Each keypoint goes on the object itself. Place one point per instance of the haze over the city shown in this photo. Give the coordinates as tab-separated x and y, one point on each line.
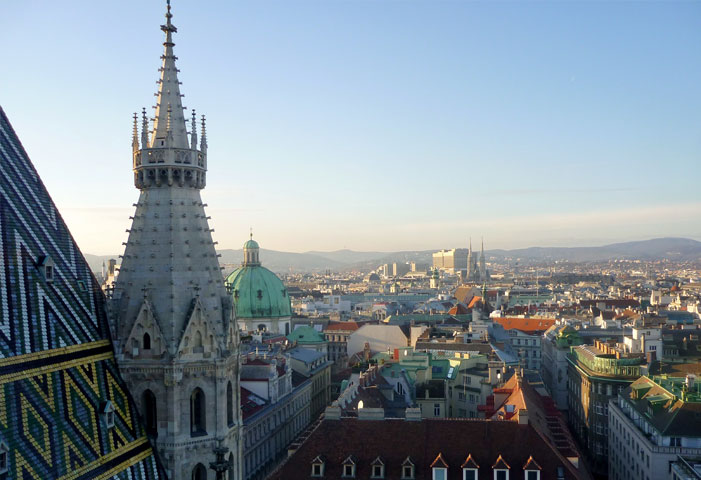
376	125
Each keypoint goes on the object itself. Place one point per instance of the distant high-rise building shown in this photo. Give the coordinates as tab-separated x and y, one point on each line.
175	334
451	260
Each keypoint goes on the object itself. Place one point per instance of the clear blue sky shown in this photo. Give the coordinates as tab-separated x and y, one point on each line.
375	125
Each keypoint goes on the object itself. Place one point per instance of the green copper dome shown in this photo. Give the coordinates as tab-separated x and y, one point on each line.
251	244
258	293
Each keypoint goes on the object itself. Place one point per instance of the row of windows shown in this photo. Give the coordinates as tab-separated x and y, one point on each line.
408	471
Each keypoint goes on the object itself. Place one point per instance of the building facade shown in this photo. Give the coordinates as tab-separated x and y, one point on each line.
172	321
275	410
555	346
651	423
596	374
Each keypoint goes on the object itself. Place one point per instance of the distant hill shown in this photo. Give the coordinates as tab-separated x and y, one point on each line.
658	248
341	260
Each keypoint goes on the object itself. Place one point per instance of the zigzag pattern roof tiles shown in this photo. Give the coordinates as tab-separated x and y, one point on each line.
57	368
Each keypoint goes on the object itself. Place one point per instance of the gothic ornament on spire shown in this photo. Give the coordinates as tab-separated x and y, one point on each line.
169	154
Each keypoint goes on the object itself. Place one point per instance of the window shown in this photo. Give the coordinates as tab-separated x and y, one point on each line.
3	457
199	472
469	474
436	409
349	467
107	411
675	442
407	469
229	405
440	473
501	475
378	468
46	268
148	400
532	474
147	341
198	423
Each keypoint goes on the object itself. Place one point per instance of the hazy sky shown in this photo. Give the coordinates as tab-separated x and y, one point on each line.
375	125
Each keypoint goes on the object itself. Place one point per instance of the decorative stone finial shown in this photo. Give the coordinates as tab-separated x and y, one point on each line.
204	135
193	131
144	129
135	135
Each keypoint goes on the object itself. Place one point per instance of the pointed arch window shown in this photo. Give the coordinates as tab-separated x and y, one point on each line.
150	413
229	404
147	341
199	472
198	423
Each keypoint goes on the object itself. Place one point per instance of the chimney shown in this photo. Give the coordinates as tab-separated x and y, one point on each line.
413	414
523	416
690	381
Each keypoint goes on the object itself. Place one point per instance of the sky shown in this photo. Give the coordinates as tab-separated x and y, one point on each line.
375	125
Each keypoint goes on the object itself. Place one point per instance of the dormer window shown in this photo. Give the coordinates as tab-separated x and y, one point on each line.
107	411
439	468
4	453
470	469
349	467
318	467
531	469
408	469
378	468
501	469
47	269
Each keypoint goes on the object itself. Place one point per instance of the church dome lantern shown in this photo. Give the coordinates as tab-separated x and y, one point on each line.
259	296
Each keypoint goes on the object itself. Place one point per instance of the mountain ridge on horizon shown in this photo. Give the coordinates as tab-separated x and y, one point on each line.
676	248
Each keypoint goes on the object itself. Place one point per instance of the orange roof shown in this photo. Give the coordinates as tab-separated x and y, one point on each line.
458	309
525	324
342	326
474	301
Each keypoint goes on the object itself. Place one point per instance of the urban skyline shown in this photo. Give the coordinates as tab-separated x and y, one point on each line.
560	122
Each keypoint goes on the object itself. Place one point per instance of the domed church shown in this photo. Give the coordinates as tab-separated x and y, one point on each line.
260	298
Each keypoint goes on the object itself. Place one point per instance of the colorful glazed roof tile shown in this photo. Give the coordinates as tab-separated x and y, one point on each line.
64	410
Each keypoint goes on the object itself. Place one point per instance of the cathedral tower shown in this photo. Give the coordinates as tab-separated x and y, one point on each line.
483	266
172	321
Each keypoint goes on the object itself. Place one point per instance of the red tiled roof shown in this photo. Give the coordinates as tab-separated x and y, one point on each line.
394	440
342	326
458	309
527	325
475	300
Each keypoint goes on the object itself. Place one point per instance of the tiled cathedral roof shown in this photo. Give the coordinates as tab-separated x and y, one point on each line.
57	368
